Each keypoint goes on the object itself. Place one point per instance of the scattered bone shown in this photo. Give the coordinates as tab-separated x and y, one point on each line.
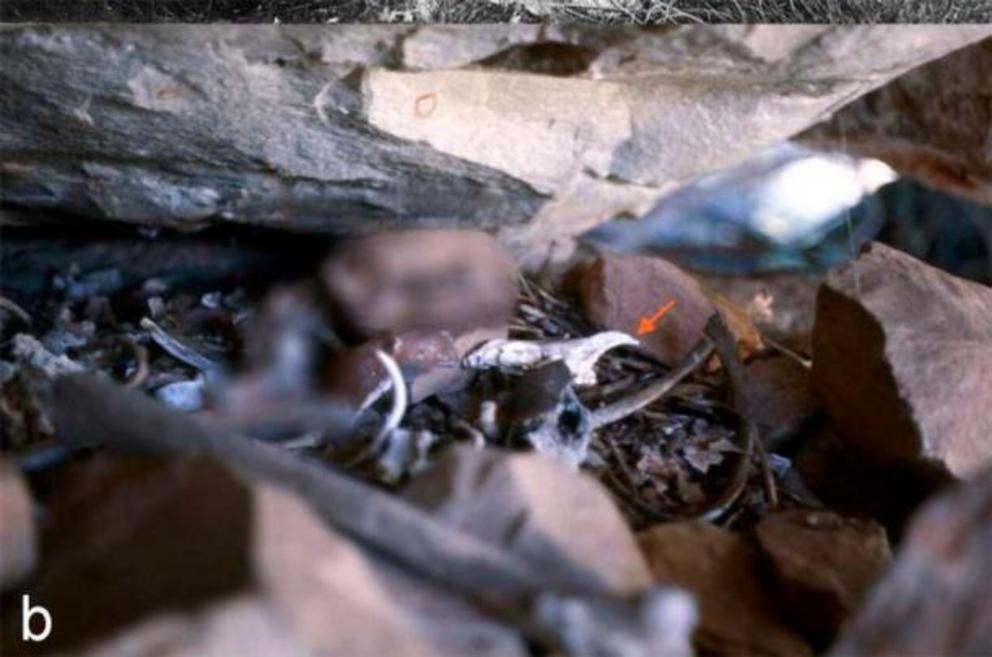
405	453
579	355
544	411
29	351
668	615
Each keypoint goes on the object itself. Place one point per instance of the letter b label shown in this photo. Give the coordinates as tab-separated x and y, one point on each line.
29	612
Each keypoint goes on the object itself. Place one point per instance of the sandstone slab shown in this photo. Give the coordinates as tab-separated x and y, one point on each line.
824	565
903	361
739	614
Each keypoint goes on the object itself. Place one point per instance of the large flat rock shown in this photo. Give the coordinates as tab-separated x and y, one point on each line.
353	128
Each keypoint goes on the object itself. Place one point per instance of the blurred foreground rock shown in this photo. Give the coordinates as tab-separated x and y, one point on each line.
935	600
739	611
823	565
903	361
341	600
350	129
532	506
127	538
421	280
18	533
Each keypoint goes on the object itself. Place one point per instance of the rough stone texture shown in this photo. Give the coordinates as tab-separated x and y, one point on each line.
18	534
617	291
721	568
933	123
935	599
824	564
427	280
321	128
557	519
903	361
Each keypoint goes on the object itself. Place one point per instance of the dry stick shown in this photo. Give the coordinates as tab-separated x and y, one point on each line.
90	411
726	348
785	351
141	358
177	349
647	396
718	338
14	309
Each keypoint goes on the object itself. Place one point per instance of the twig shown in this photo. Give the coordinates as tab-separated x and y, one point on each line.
785	351
13	308
651	393
767	476
177	349
726	347
141	358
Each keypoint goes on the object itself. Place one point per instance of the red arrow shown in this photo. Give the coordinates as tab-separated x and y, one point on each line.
649	324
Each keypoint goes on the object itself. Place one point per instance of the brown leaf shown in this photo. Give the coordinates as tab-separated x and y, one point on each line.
740	325
903	360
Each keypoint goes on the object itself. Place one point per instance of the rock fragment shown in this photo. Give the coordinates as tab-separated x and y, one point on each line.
660	304
823	563
852	482
935	599
130	537
738	614
559	520
779	398
618	291
903	361
340	599
432	280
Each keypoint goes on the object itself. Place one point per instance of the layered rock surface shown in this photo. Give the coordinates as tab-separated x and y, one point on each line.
354	128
